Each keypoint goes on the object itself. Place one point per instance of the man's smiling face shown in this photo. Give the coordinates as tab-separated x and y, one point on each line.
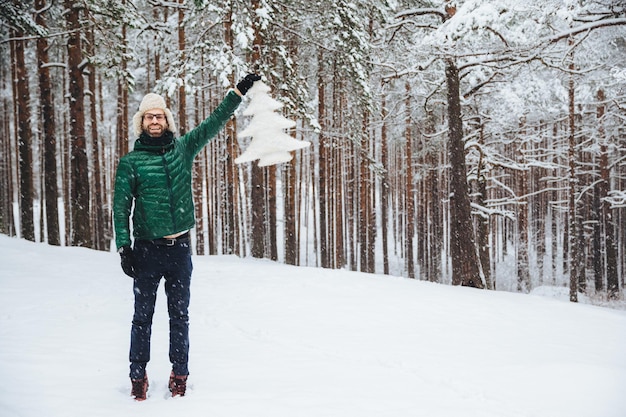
154	122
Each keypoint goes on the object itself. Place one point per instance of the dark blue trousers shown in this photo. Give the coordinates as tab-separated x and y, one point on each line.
153	262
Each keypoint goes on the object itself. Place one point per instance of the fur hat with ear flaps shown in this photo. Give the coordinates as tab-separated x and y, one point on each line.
149	102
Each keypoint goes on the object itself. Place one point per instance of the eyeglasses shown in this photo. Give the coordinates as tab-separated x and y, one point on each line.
151	116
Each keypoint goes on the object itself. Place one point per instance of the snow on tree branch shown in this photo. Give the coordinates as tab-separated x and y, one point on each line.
584	28
617	198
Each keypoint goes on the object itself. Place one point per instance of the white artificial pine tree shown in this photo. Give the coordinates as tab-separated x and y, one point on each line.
269	144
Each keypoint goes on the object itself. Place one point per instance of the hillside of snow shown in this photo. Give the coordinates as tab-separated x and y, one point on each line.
280	341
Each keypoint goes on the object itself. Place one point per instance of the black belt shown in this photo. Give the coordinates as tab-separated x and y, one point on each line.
171	241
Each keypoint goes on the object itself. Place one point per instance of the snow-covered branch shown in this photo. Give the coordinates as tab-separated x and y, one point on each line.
488	212
617	198
583	28
421	12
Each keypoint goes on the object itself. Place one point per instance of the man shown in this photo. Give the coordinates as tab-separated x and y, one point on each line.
156	178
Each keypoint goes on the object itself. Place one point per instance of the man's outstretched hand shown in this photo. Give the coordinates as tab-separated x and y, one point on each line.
244	85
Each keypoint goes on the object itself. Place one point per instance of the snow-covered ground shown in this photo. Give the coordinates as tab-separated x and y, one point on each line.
280	341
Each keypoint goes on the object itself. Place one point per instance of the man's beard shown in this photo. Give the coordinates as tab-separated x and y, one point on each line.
154	130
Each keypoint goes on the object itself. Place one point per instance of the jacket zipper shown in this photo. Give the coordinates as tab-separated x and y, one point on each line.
169	188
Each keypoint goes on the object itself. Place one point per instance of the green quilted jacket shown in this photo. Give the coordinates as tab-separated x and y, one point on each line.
157	178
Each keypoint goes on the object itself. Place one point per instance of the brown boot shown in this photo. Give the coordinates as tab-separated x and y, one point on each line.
139	388
178	384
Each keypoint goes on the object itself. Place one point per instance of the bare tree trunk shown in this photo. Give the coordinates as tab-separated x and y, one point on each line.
596	241
302	204
214	206
554	219
522	261
257	206
606	221
370	243
583	200
272	219
81	230
483	220
539	223
522	258
340	196
410	209
323	167
538	210
384	186
182	96
6	163
122	119
122	104
157	54
465	267
315	211
66	175
421	210
575	261
24	134
291	200
49	133
199	175
99	224
230	202
5	172
231	219
257	196
291	214
435	211
364	208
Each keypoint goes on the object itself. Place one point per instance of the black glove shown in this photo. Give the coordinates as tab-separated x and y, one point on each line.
244	85
128	260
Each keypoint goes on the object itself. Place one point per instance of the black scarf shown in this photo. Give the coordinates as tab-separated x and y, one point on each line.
160	143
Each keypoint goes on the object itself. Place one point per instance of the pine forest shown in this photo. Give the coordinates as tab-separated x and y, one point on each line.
465	142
